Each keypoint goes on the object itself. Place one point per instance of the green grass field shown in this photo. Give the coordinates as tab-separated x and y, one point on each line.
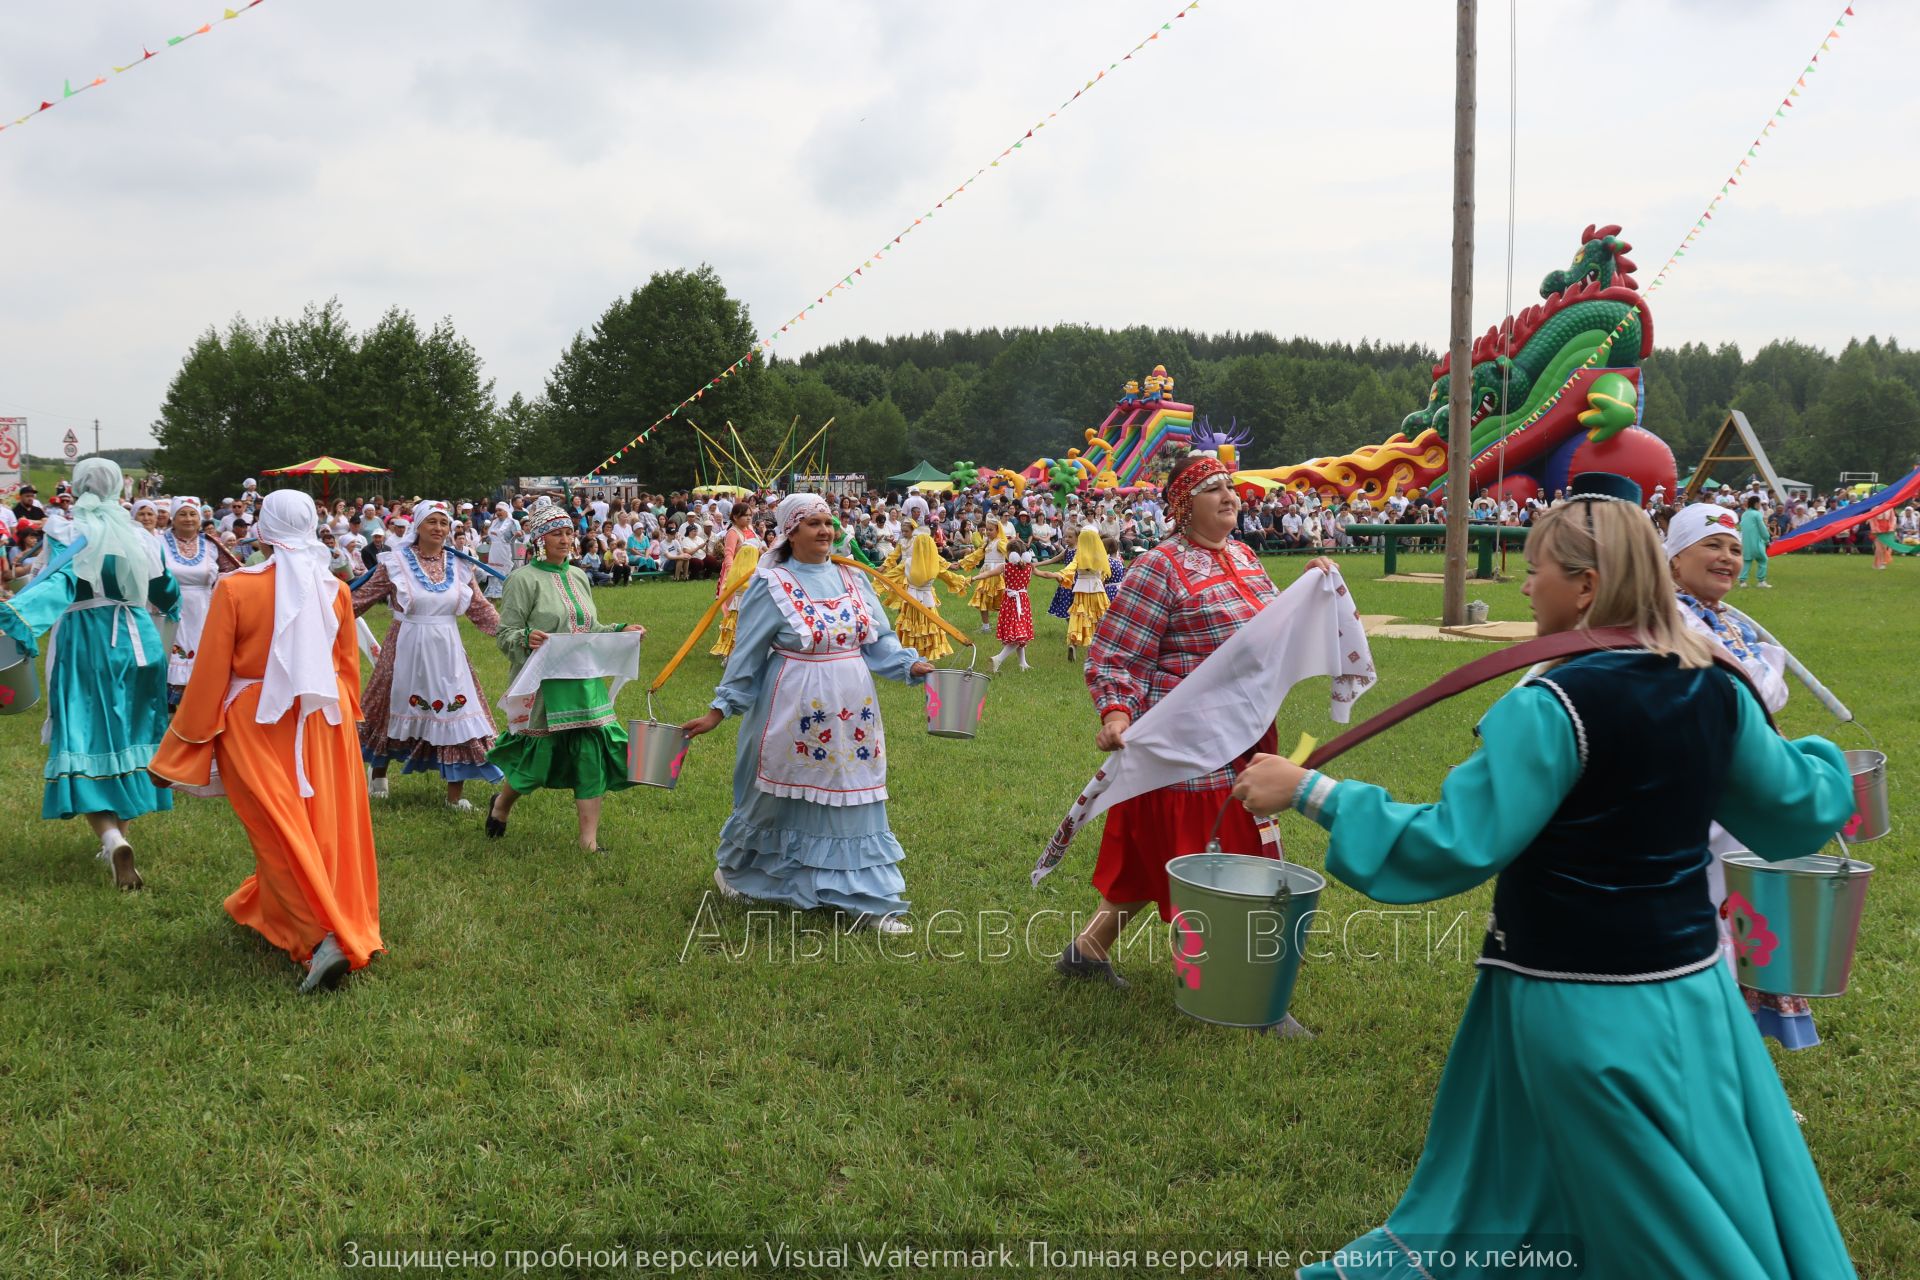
561	1047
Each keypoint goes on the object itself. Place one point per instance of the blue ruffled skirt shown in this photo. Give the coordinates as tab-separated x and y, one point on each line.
807	855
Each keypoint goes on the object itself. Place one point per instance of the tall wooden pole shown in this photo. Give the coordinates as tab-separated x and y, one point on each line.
1460	325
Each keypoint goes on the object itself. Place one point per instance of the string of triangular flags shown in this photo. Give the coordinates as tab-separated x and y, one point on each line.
68	91
894	244
1753	152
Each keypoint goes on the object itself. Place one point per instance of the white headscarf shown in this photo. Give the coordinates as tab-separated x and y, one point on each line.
1695	523
110	531
421	510
181	504
300	657
792	510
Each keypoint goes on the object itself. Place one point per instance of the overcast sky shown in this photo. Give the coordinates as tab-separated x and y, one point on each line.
517	165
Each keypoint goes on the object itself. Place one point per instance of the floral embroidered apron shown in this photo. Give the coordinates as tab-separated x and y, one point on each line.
822	740
434	698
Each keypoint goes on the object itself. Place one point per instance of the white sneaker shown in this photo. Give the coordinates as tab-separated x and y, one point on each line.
377	789
998	658
891	924
727	891
1769	585
462	805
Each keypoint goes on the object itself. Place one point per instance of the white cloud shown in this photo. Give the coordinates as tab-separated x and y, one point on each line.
515	166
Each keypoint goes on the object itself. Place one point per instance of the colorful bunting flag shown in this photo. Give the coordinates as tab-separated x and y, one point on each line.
68	91
1733	180
846	281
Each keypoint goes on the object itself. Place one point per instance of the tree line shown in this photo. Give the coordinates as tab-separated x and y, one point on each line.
417	400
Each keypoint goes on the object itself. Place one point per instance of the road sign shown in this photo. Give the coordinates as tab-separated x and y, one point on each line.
71	445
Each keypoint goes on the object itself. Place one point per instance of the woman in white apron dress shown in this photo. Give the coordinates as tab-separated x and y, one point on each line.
809	824
501	536
196	564
423	704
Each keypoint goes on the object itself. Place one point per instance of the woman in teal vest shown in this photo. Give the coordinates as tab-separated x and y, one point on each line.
1608	1098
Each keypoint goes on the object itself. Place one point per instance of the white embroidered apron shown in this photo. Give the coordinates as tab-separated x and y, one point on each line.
822	740
434	698
196	577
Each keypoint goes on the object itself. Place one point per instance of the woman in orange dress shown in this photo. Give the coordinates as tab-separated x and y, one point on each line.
274	700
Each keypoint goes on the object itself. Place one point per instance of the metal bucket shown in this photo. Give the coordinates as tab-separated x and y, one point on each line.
956	699
19	685
1238	926
1795	923
655	751
1871	819
1476	612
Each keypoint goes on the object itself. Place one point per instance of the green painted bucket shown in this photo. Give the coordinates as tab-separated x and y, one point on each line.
1239	923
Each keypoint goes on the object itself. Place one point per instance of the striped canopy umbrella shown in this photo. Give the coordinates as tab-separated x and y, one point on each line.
326	467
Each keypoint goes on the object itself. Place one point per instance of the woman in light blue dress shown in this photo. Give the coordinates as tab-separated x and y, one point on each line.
809	825
106	666
1607	1100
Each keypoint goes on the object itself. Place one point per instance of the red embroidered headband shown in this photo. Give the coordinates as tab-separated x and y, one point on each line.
1180	493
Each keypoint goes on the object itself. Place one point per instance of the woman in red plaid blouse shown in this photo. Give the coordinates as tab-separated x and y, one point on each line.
1177	604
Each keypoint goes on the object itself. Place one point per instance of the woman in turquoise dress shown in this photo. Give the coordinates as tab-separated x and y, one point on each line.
1607	1094
573	740
809	826
106	666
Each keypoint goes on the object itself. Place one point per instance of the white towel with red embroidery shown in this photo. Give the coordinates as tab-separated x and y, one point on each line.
1311	629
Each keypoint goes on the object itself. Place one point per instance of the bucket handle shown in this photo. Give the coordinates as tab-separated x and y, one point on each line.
1283	896
653	719
1871	740
1846	864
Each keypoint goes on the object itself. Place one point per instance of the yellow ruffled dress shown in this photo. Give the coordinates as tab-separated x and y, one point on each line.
987	592
746	559
1089	606
1084	614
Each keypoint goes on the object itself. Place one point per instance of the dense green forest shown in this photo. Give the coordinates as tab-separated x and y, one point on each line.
419	402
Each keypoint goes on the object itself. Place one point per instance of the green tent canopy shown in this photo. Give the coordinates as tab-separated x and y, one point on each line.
925	473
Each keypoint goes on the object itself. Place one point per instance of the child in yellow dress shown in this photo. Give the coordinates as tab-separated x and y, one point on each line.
925	567
989	585
1086	576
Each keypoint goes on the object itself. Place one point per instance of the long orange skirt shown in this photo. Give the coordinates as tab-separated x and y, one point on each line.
314	869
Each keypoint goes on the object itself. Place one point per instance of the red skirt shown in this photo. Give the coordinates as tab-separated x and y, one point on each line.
1145	833
1016	619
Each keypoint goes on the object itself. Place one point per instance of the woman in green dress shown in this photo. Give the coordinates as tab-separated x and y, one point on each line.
572	740
1607	1098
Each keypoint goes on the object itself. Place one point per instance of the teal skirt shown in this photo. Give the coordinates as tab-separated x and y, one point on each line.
1640	1128
106	717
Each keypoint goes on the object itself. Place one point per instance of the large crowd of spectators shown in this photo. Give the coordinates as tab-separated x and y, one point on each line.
681	535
